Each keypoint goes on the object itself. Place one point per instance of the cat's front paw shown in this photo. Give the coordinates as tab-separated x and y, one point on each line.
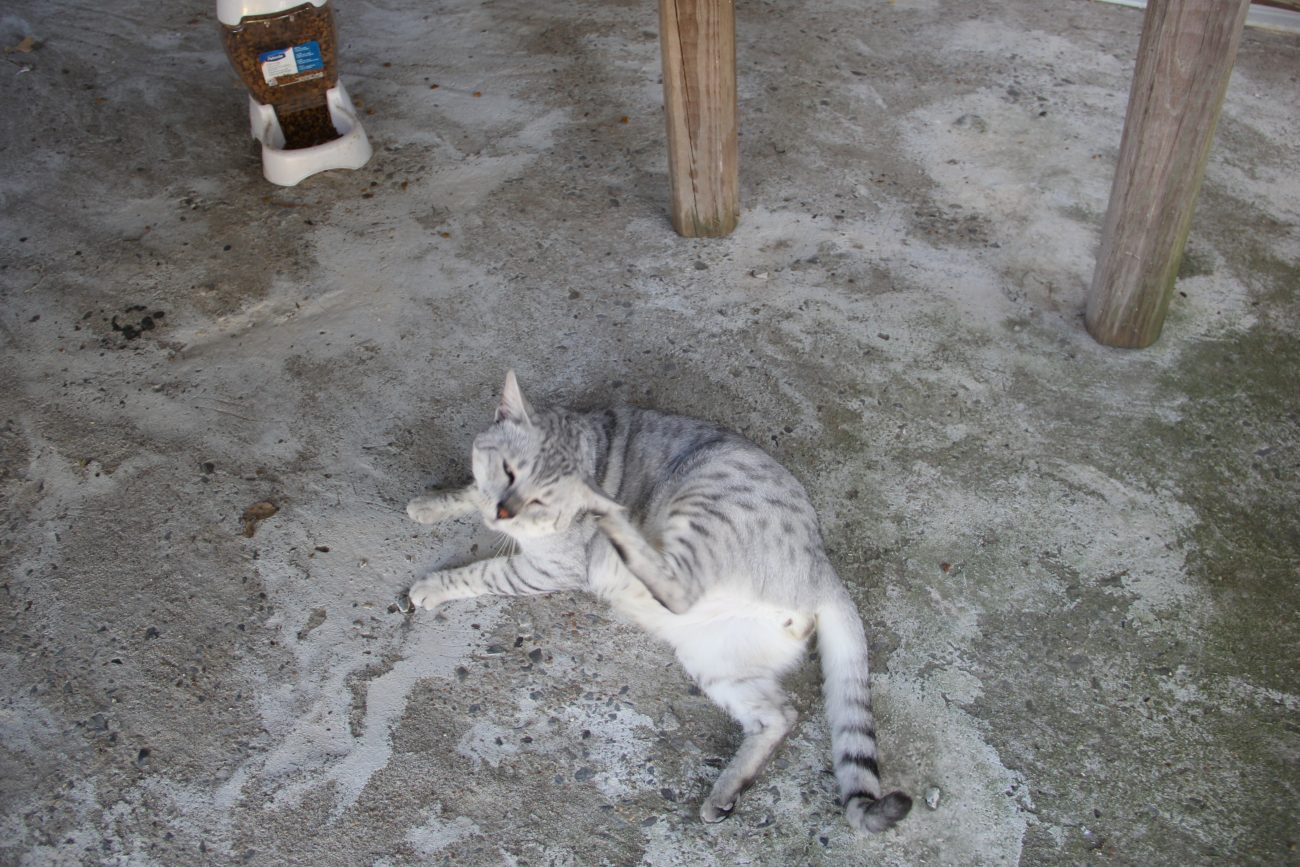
426	510
445	505
426	594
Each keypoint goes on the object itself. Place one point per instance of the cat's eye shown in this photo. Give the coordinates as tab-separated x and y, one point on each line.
535	502
510	477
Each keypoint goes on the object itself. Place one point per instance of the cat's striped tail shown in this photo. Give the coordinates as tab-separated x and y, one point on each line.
842	643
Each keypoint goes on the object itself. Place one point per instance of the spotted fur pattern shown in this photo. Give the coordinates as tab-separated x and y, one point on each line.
699	537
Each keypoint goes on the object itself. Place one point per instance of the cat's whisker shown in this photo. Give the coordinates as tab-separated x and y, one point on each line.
506	546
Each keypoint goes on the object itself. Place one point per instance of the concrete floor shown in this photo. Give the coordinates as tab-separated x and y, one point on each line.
1078	565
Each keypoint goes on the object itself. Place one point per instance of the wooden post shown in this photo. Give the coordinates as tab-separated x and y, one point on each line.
698	40
1184	60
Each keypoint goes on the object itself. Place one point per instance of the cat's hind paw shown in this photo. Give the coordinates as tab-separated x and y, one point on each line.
799	626
713	813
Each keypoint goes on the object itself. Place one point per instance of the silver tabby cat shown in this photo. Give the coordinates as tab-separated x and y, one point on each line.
699	537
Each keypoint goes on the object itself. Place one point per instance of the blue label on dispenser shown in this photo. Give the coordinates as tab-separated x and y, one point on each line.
291	62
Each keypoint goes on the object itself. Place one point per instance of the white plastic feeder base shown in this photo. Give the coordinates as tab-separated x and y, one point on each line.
351	150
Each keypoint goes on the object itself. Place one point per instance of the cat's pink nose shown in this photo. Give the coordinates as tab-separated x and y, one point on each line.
503	512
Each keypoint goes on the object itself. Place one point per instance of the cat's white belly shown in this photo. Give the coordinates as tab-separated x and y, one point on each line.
724	634
722	631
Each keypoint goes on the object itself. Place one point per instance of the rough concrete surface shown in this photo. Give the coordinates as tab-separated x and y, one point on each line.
1078	565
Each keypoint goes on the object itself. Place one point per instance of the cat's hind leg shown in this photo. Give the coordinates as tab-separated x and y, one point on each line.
674	588
765	713
444	505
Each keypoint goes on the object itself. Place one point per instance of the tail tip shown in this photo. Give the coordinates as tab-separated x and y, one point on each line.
874	815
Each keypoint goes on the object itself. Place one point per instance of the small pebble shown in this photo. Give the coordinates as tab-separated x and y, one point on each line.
932	796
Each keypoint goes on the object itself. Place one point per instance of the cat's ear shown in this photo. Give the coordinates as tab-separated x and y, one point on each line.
513	407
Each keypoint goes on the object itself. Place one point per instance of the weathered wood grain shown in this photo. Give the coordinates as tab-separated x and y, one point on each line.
698	41
1185	58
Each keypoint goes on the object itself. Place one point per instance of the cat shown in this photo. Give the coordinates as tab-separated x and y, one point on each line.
698	536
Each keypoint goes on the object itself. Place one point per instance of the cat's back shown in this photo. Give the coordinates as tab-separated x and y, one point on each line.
666	456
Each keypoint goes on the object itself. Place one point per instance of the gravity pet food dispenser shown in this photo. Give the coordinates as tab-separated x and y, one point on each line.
285	53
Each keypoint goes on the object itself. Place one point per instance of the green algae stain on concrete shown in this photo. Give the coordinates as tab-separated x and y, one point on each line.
1277	279
1236	454
1164	641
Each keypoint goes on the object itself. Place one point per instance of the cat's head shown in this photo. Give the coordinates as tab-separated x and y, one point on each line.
528	467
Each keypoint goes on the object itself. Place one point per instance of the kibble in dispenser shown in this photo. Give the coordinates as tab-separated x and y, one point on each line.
285	53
